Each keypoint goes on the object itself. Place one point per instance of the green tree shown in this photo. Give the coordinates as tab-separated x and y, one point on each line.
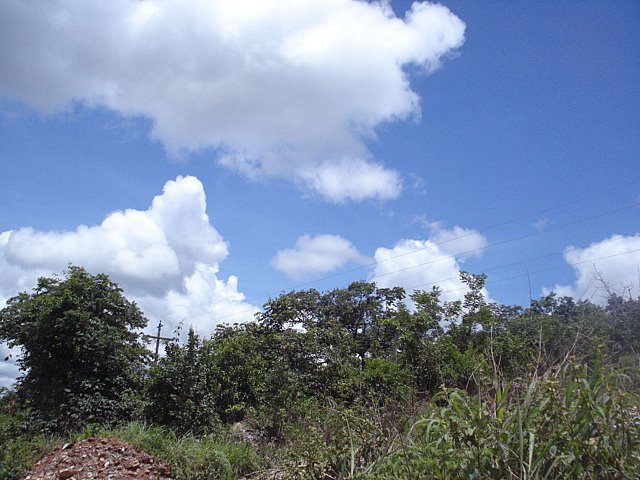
356	310
81	357
624	324
183	388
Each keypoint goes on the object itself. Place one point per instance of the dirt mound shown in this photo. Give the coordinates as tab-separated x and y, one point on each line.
99	458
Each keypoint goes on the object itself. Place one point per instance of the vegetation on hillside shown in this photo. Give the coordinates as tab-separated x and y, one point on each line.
358	382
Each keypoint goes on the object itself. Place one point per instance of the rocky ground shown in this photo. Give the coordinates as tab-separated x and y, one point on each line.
99	458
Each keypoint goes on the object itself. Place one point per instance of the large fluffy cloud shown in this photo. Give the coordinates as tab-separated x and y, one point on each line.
145	250
166	258
316	255
289	89
422	264
609	266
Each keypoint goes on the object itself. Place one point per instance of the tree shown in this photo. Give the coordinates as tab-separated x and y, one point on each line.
81	357
182	391
356	311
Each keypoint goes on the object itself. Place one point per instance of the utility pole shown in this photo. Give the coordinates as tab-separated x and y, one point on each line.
528	280
158	338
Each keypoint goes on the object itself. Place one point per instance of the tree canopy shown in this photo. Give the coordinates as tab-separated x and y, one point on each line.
81	354
331	382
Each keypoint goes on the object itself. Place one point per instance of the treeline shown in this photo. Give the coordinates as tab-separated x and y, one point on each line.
362	343
349	383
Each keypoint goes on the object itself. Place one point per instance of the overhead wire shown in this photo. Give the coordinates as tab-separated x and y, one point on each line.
565	265
513	264
571	264
444	257
568	264
215	312
503	242
473	232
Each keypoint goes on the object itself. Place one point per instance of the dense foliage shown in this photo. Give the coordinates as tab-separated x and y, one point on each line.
357	382
81	357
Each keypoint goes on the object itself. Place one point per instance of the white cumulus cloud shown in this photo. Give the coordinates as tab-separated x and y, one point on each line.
145	250
312	256
279	88
609	266
166	258
436	261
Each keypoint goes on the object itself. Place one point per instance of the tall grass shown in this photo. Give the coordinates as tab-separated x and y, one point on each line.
572	423
18	450
190	457
18	454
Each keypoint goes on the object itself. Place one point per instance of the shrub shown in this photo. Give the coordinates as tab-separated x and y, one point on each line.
80	358
572	423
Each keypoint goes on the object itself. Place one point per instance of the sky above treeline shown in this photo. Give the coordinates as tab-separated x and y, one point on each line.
209	155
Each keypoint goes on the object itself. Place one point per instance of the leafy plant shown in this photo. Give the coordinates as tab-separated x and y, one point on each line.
81	357
574	422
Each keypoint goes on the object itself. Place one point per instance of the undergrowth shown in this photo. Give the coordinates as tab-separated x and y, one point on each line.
190	457
573	422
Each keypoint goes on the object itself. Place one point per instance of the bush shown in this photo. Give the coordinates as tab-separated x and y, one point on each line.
458	369
181	392
382	380
80	356
18	449
335	442
572	423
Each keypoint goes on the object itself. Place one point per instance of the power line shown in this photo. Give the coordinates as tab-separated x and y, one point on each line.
497	225
473	232
444	257
513	264
487	283
502	242
573	264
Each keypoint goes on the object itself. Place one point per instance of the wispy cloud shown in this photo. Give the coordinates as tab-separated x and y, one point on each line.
542	224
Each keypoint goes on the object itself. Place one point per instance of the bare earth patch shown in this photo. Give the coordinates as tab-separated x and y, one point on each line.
99	458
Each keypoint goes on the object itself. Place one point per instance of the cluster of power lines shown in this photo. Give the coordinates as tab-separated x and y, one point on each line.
215	314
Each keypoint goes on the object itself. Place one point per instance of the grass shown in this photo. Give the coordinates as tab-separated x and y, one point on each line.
574	422
20	452
190	457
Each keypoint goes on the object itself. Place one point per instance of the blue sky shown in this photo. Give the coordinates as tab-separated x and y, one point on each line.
325	138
